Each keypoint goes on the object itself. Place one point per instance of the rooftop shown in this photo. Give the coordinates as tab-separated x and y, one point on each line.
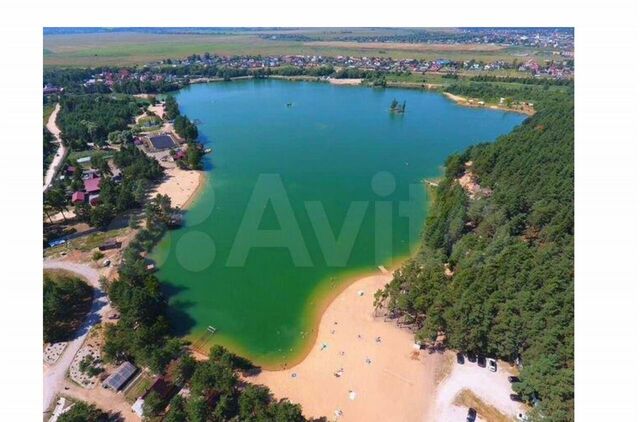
120	377
77	197
92	185
161	142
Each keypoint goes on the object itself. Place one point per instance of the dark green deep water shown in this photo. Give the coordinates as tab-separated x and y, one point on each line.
335	148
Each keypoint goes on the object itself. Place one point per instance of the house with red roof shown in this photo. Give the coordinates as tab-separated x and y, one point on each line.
77	197
92	186
181	155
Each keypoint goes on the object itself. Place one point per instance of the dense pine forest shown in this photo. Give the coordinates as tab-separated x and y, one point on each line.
526	91
511	290
91	118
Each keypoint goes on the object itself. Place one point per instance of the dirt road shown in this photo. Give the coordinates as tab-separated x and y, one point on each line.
60	154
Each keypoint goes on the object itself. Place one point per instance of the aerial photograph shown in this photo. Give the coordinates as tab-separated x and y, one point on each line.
307	224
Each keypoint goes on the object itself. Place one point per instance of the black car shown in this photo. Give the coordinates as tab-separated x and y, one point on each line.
471	414
482	361
471	357
513	379
516	397
460	358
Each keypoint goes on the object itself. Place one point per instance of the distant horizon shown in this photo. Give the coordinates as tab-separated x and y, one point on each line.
53	30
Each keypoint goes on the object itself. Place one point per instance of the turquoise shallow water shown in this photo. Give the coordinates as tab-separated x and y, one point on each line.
294	165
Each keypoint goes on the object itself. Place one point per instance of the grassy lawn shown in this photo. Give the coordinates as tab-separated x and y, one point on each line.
74	155
149	123
466	398
138	387
87	243
427	78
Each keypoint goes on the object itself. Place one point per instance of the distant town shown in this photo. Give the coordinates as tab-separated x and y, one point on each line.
178	71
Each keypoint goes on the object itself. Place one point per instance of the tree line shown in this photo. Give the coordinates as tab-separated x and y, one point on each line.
521	80
187	130
91	118
49	148
218	394
66	301
492	92
511	294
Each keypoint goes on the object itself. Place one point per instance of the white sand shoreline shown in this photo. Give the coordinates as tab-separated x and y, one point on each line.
381	380
335	81
182	186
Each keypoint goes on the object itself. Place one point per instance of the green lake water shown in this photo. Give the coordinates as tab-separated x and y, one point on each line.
293	164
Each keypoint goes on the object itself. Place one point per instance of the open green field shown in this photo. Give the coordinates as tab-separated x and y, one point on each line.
130	48
138	387
74	155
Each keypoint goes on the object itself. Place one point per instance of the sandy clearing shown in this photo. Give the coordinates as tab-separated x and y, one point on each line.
58	217
182	186
345	81
60	154
491	387
105	399
157	109
456	98
397	384
470	102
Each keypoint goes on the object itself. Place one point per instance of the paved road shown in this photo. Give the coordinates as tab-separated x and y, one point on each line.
54	375
60	154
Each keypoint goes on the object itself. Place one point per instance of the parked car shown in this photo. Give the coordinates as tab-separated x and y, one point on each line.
460	358
482	361
516	397
493	365
471	357
471	414
513	379
522	417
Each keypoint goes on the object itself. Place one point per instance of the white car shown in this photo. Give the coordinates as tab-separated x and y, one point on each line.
493	365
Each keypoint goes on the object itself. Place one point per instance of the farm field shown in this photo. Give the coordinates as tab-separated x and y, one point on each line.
133	48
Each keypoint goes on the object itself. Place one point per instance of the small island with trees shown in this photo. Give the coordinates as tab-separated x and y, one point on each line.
397	107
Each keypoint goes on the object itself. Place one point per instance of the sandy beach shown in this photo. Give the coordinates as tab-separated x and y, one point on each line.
182	186
469	102
345	81
383	377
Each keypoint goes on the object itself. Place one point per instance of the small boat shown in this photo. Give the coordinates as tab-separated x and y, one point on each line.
207	150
